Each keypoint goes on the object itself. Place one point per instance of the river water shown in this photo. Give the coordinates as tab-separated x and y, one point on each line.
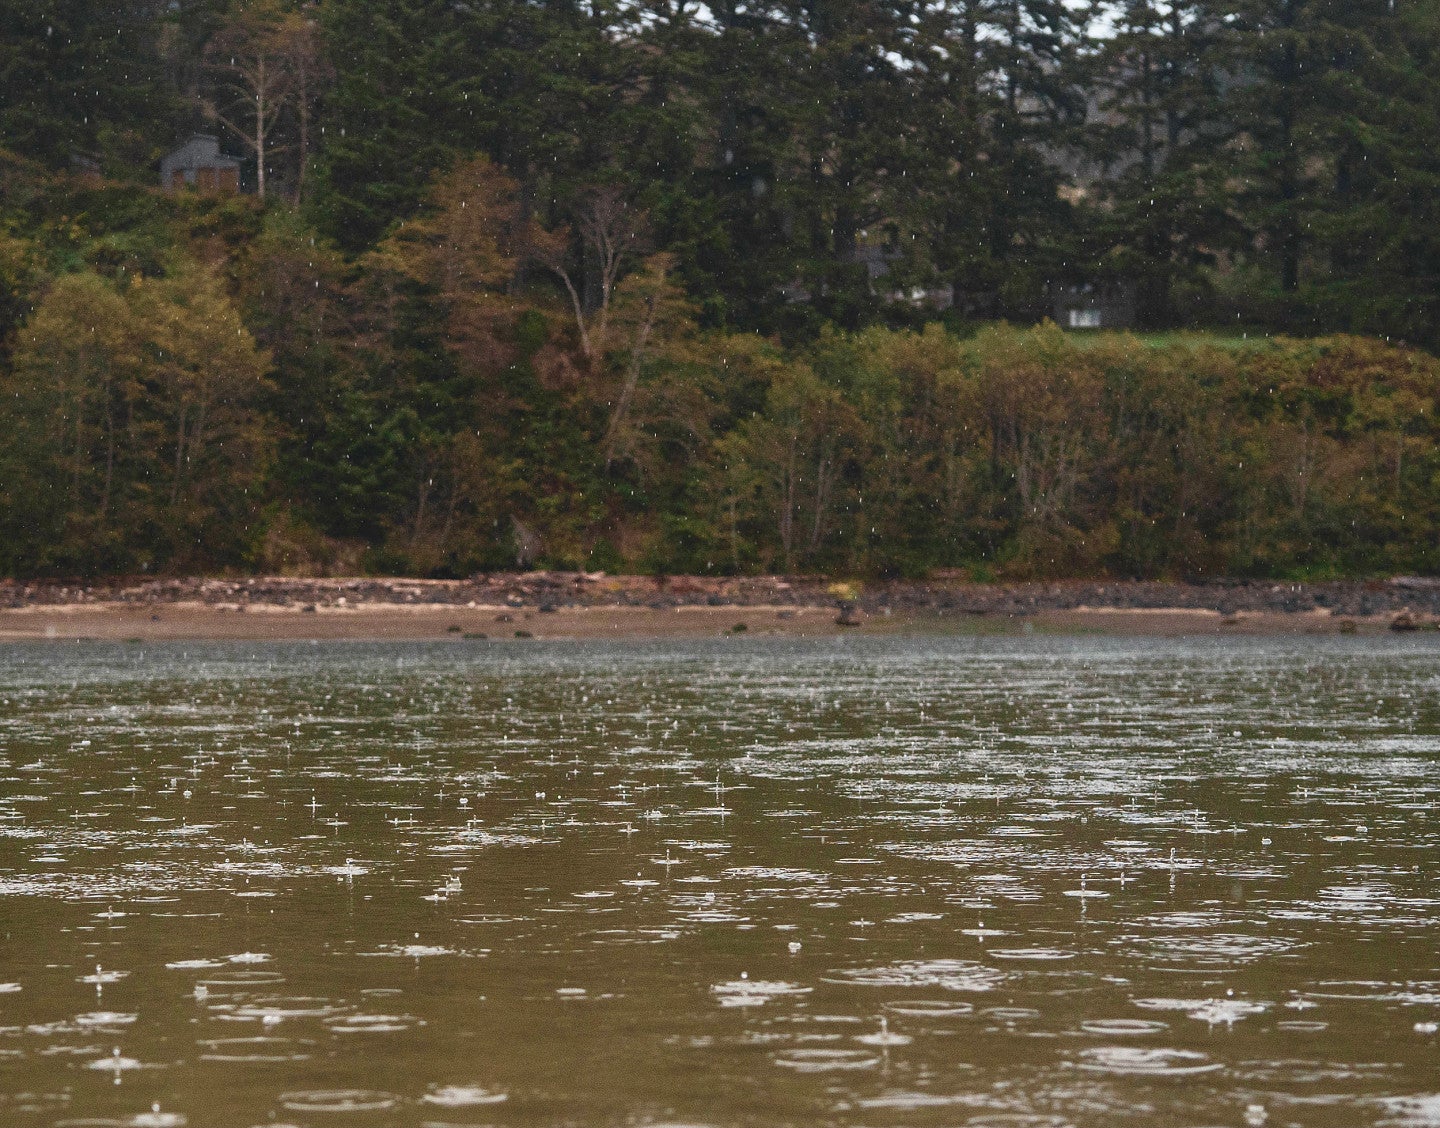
1004	883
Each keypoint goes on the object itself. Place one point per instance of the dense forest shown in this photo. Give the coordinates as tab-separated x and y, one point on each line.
728	288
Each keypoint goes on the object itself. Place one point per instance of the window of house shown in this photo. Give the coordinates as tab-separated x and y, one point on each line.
1084	319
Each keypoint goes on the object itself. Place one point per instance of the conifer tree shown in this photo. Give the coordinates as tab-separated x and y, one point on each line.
81	81
1155	149
393	117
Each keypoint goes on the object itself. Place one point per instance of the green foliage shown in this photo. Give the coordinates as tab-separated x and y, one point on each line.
1036	454
628	286
83	79
420	418
19	273
135	439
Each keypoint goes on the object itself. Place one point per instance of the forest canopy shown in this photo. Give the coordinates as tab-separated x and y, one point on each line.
720	288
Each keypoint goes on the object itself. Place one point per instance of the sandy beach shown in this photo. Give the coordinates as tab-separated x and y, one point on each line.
120	621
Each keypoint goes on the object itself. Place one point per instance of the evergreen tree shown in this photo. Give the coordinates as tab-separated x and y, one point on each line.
1155	149
1289	68
1378	235
999	80
394	117
83	80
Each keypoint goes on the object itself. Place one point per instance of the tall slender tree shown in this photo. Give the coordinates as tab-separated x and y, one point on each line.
1289	68
394	115
252	59
1154	148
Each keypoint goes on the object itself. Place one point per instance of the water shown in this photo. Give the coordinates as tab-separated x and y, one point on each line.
1018	883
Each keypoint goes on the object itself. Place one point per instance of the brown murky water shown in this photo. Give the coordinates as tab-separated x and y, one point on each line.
1017	883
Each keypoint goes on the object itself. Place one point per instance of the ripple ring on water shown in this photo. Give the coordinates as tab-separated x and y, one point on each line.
1032	954
1121	1027
460	1096
338	1100
1145	1062
929	1008
243	979
823	1061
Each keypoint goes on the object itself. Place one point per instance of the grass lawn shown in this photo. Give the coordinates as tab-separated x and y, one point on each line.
1172	339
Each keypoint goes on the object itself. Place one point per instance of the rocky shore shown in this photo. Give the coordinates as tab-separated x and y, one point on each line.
1418	598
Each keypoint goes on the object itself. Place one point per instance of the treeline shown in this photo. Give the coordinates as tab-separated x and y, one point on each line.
634	286
202	383
1266	162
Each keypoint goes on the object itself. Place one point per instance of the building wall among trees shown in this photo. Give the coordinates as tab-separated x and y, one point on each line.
199	164
1095	305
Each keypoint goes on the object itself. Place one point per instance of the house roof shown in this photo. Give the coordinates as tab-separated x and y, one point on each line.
201	150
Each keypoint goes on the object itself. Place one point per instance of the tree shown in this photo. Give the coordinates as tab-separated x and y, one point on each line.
310	69
464	247
137	436
204	377
654	321
394	117
447	388
290	289
1157	141
1008	74
78	365
1379	233
917	506
1289	67
83	79
1039	400
253	56
468	237
611	233
782	470
19	276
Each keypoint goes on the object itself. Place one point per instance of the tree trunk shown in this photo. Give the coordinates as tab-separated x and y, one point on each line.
627	391
787	504
303	109
179	452
109	455
260	131
824	477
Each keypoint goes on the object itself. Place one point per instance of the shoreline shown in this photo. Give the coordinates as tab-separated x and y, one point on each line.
359	610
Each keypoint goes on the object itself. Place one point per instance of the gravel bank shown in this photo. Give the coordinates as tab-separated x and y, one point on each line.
553	591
